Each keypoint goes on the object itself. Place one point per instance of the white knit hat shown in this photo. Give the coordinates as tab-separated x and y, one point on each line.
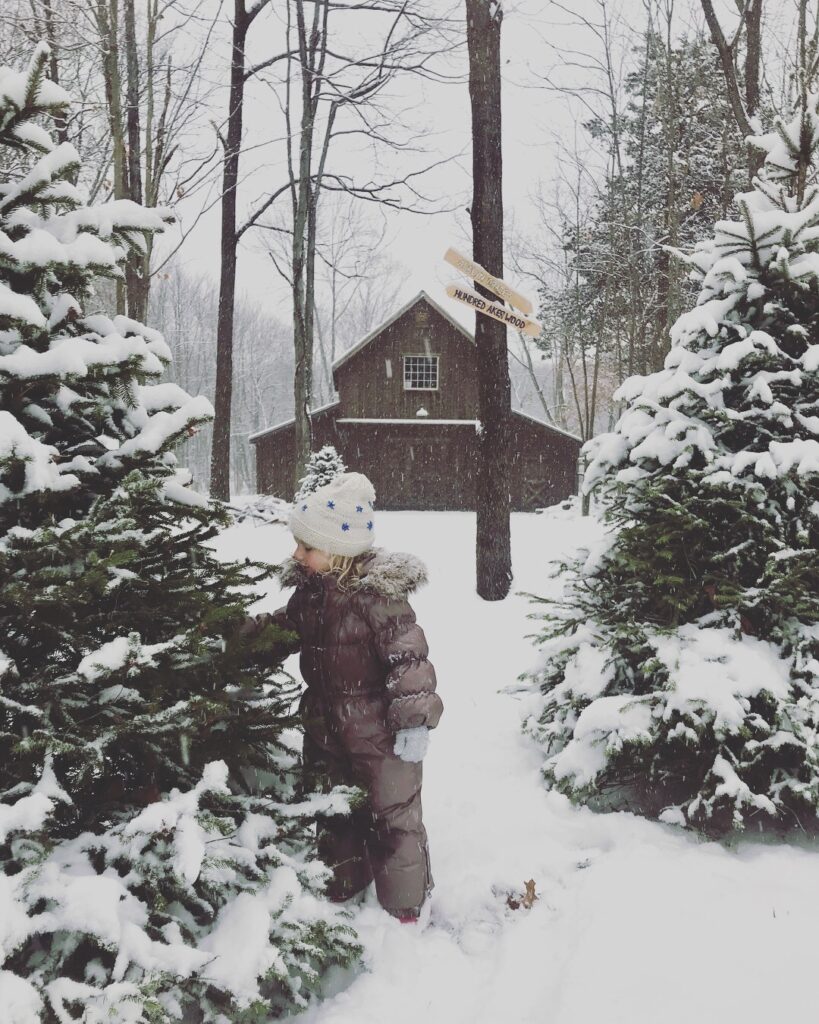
338	517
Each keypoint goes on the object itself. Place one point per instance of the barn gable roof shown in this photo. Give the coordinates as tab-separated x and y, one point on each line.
359	345
549	426
422	421
289	422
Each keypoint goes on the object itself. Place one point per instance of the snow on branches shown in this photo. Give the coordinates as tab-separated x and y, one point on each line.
149	938
680	672
154	859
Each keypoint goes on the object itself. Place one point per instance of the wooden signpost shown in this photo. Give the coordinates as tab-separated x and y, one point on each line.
471	298
477	273
495	310
498	312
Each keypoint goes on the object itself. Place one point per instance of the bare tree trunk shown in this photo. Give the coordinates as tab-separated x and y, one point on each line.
743	112
322	347
300	186
529	365
668	270
305	193
559	387
134	284
802	167
107	15
493	546
753	54
54	68
151	186
220	452
655	358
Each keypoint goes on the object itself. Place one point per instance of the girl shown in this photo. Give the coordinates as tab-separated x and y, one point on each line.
370	699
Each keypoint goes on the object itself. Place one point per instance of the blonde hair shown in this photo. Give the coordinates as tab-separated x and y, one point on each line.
348	569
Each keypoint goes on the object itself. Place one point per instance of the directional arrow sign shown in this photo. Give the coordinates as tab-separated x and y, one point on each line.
498	312
477	273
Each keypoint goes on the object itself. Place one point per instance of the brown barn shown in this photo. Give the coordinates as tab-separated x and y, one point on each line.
406	416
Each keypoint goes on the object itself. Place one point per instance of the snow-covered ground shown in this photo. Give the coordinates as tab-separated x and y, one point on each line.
635	922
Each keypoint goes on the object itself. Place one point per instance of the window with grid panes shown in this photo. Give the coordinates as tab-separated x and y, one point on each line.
420	373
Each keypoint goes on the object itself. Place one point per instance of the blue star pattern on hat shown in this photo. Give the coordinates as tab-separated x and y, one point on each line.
336	518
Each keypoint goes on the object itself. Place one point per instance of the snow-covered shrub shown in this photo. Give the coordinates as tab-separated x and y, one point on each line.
183	906
680	670
322	467
262	509
147	781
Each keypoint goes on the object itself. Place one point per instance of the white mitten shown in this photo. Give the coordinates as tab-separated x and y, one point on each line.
411	744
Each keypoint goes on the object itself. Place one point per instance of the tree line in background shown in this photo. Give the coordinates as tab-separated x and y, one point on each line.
161	118
184	307
142	80
328	76
659	157
155	124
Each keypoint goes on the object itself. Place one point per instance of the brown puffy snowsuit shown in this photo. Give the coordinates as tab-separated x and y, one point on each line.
364	659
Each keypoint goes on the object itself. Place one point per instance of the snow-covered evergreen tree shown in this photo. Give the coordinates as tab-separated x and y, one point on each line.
681	668
146	774
322	467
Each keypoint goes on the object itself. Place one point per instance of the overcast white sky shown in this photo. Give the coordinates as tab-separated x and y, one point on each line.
536	35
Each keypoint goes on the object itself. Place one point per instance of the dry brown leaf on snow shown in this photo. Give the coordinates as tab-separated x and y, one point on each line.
517	900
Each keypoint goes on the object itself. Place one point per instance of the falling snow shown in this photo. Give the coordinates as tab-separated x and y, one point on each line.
493	827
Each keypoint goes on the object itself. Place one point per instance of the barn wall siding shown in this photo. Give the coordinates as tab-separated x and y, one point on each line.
429	467
414	467
366	390
276	455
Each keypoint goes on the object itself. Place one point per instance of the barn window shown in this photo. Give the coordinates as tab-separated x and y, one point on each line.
420	373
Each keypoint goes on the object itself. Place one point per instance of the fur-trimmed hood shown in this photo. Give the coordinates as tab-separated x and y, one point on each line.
392	574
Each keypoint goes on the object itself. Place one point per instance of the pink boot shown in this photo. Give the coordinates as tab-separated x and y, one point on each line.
414	915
